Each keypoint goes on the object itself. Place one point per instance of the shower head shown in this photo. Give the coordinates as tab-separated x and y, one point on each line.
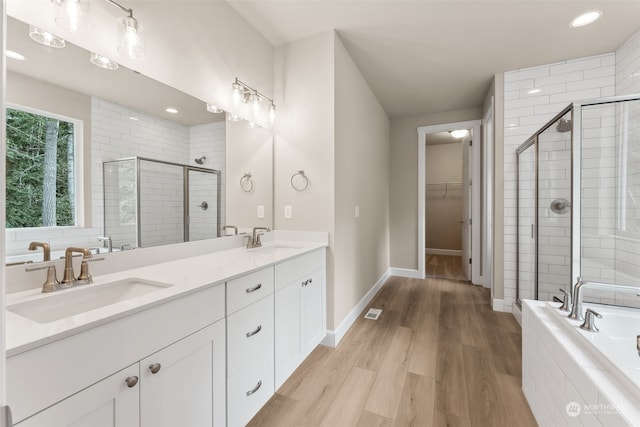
564	125
560	206
200	160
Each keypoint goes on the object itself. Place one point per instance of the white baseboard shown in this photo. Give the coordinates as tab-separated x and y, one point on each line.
404	272
517	313
450	252
497	304
333	337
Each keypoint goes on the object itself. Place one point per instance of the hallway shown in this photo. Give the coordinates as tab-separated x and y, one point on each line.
438	355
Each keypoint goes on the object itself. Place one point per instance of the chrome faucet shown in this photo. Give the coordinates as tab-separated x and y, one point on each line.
576	309
84	276
46	249
589	324
254	240
108	242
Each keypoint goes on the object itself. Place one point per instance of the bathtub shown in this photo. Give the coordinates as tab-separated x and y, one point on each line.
575	377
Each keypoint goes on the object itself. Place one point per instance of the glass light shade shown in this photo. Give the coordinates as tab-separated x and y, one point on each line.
213	109
45	37
103	62
72	15
237	93
255	103
233	117
272	113
132	44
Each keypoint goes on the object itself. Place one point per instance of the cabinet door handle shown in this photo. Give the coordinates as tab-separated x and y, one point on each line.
256	388
252	333
255	288
305	283
131	381
155	368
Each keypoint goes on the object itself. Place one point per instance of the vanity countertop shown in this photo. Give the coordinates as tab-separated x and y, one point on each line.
185	275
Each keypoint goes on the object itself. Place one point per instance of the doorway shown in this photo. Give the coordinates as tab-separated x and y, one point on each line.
460	191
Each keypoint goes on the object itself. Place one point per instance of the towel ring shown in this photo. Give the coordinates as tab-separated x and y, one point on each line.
246	183
301	183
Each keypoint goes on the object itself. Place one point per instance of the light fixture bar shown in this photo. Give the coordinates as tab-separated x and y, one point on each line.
121	7
249	88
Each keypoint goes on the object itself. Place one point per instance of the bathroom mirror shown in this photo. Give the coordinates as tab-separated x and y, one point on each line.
119	114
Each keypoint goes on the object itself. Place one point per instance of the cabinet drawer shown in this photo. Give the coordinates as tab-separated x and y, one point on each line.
249	333
248	289
249	389
293	269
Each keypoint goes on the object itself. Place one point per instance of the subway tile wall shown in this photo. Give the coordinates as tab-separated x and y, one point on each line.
628	67
525	112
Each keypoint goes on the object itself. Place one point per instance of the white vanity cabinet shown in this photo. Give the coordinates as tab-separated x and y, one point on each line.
300	319
174	359
250	350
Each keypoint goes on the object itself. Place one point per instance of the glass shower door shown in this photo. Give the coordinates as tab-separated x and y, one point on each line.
554	209
202	205
526	242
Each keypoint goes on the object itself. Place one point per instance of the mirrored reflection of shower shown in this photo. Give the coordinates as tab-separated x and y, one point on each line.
150	202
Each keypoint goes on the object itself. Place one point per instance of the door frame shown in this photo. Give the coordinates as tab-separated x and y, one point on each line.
488	137
475	126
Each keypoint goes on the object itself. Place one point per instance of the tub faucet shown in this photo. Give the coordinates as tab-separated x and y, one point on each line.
46	249
576	310
108	241
589	324
566	302
235	229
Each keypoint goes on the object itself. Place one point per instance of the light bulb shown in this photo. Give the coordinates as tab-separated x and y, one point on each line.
132	41
255	103
237	93
272	113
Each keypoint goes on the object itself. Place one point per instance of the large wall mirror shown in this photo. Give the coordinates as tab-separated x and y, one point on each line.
95	152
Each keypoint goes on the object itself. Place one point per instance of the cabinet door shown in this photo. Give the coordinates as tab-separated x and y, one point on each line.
288	334
108	403
313	312
184	384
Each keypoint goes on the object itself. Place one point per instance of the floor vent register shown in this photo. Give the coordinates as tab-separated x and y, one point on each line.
373	314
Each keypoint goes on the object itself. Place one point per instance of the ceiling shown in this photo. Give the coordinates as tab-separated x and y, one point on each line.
426	56
70	68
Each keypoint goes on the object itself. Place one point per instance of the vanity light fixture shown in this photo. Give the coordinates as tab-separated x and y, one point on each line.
460	133
14	55
586	18
213	109
132	44
103	62
46	38
242	92
72	15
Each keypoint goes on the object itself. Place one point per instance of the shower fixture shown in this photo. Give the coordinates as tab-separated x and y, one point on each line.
564	125
560	206
200	160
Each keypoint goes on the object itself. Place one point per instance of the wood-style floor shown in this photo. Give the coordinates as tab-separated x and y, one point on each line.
438	355
444	267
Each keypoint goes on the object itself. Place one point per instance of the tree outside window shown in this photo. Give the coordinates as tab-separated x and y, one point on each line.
40	171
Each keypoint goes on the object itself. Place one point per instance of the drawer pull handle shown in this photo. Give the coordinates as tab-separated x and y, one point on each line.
255	288
252	333
306	282
256	388
155	368
131	381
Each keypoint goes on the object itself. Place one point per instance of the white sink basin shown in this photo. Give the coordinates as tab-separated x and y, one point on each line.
63	304
270	249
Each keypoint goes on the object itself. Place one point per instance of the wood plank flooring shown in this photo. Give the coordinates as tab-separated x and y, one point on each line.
444	267
437	356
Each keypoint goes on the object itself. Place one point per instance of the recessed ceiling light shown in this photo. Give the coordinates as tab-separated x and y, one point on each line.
460	133
171	110
533	91
586	18
14	55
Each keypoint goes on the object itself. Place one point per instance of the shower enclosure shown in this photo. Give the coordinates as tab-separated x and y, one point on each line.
578	202
150	202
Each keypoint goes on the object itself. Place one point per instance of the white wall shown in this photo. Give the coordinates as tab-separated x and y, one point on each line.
524	113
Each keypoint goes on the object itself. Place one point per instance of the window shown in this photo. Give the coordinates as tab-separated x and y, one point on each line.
40	181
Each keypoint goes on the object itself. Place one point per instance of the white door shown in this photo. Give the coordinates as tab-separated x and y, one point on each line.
190	367
112	402
466	207
288	334
313	313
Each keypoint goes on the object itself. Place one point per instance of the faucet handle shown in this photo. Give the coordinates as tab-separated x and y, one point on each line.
566	303
589	324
